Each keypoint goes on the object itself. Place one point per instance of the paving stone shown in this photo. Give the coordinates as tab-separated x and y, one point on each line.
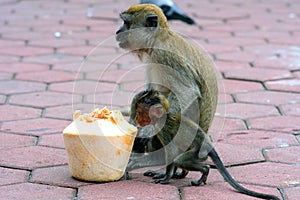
5	76
284	85
235	57
116	76
85	66
13	86
35	191
32	157
44	99
15	141
235	86
22	67
269	97
36	127
221	125
222	191
245	153
53	59
291	109
77	50
246	111
53	140
56	42
8	59
25	51
12	176
267	174
114	98
279	123
226	65
66	112
284	155
49	176
256	138
128	190
292	193
290	63
10	112
257	74
83	87
47	76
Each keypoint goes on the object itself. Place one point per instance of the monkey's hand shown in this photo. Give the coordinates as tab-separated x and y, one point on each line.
132	164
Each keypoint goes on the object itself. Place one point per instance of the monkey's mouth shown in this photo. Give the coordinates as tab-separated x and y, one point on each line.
122	43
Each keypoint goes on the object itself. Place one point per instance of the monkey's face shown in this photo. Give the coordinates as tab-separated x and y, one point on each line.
147	115
139	28
142	115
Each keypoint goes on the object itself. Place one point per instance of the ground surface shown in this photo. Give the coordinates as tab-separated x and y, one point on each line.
44	77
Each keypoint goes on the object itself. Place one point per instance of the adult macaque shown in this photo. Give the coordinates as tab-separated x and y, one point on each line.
151	109
174	67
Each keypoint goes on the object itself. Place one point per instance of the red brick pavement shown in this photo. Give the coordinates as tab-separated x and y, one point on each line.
44	77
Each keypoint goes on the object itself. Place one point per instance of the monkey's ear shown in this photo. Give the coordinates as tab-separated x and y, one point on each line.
151	20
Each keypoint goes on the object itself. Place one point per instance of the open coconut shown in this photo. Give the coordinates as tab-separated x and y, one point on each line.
98	145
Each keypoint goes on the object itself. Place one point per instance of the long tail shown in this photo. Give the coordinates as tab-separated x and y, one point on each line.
222	169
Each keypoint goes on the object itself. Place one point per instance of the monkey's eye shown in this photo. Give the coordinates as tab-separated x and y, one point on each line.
127	24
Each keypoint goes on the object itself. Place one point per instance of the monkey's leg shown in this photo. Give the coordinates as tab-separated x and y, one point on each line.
176	175
191	162
165	179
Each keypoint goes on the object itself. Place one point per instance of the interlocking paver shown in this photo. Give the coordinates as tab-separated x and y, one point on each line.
83	87
45	99
9	112
278	123
32	157
14	140
12	176
284	155
23	67
14	86
59	56
53	140
128	190
37	127
261	173
35	191
291	109
47	76
222	191
49	176
284	85
256	138
269	97
258	74
246	111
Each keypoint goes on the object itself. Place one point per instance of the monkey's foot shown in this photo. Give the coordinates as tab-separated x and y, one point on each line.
151	173
202	179
163	180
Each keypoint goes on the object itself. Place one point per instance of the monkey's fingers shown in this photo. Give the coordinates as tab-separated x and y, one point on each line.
163	180
159	176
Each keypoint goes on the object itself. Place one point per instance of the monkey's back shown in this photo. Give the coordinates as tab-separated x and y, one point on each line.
196	73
